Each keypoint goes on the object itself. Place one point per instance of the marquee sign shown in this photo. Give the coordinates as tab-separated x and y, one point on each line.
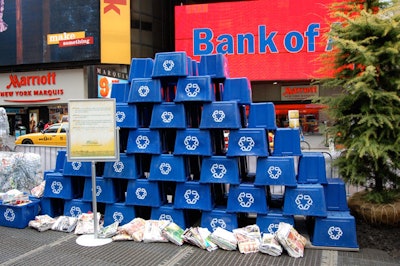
41	87
296	93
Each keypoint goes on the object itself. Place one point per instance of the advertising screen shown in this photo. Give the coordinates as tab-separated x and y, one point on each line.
48	31
262	40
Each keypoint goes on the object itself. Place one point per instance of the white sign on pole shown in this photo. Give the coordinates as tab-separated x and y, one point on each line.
92	130
92	136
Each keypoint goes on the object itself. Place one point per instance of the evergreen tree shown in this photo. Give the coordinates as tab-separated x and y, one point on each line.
365	65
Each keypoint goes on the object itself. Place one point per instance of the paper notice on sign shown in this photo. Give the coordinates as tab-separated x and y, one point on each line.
92	130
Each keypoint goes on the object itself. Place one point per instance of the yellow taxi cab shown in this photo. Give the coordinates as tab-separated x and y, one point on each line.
54	135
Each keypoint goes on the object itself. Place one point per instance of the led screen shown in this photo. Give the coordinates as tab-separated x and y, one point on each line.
262	40
47	31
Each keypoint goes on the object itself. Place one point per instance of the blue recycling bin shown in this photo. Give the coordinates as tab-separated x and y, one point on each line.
170	64
221	114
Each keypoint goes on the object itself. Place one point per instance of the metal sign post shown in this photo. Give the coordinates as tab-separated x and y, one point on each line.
93	137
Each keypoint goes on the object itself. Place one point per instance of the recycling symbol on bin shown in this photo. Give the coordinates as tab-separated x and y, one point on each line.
167	117
335	232
120	116
9	215
166	217
218	170
191	143
274	172
142	142
304	202
246	143
191	196
118	217
165	168
56	187
75	211
141	193
218	116
192	89
215	223
76	165
245	199
143	91
168	65
272	228
98	191
118	167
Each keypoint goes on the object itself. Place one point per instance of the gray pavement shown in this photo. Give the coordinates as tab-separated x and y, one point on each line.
30	247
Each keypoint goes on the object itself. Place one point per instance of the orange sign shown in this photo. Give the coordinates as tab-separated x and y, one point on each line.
55	38
115	31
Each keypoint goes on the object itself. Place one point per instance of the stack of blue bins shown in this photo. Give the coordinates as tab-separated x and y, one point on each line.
332	225
64	186
174	115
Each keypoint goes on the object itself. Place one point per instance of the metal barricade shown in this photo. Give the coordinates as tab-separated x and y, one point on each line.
48	154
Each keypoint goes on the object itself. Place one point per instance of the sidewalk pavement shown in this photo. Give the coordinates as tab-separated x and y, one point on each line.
30	247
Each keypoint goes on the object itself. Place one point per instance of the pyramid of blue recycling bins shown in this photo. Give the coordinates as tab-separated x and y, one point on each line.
194	147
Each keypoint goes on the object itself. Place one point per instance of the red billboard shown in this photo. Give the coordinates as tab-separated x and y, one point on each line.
262	40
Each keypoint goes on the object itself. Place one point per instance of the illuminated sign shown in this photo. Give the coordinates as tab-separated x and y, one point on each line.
41	87
57	37
294	93
76	42
30	81
42	31
115	31
293	41
24	80
262	40
106	78
105	85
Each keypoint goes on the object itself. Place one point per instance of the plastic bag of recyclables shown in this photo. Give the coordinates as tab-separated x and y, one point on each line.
42	222
15	197
108	231
200	237
291	240
270	245
85	223
65	224
248	238
152	231
224	239
38	190
134	230
20	171
173	233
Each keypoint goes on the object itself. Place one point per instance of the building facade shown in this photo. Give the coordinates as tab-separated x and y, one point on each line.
55	50
52	51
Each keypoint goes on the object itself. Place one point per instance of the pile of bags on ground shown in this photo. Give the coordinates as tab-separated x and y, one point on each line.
248	239
20	171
